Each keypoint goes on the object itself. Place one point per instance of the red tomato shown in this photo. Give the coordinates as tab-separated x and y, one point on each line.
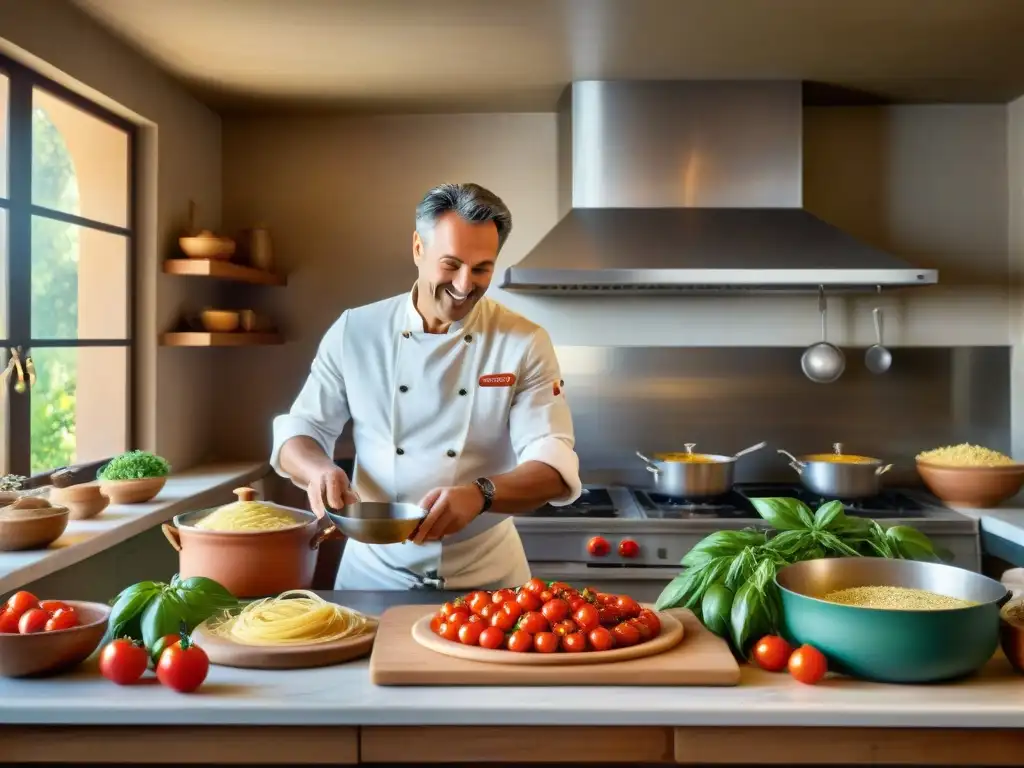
606	599
450	609
520	642
477	600
8	622
488	610
20	602
545	642
535	586
435	624
629	607
458	619
650	618
555	610
772	653
492	637
33	620
52	606
533	622
64	618
512	608
586	616
546	595
600	639
474	619
123	662
528	601
565	627
449	631
642	628
625	635
503	596
609	616
469	633
560	587
807	664
183	666
502	621
575	642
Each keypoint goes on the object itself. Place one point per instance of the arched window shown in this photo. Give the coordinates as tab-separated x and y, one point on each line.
66	203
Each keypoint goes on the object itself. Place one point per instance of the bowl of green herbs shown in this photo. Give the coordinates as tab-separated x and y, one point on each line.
134	477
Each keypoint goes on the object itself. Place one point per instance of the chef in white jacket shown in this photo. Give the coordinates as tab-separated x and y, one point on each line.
456	404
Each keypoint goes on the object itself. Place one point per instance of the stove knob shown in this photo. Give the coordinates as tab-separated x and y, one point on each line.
598	546
628	548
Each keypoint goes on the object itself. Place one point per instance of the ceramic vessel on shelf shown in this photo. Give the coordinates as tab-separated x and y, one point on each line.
220	321
972	487
84	501
207	245
31	527
132	491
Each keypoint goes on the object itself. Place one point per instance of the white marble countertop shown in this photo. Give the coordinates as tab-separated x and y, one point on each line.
192	489
1005	521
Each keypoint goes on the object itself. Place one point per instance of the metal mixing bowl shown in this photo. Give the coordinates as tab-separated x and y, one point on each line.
894	646
377	522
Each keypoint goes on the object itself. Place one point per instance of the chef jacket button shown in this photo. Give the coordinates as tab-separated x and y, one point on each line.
403	388
468	338
451	454
463	392
406	334
399	451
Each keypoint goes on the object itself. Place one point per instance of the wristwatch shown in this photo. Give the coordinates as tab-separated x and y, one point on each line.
487	489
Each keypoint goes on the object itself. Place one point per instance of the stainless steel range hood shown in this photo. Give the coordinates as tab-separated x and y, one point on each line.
695	186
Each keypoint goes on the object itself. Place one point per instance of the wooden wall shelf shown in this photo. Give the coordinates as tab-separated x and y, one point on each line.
221	270
204	339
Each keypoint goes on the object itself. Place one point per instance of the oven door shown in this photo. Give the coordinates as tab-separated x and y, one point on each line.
643	583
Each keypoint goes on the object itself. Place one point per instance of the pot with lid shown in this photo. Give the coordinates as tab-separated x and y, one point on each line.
839	475
692	475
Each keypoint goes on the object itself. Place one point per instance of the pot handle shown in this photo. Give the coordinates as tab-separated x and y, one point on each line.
883	470
653	470
652	466
794	462
171	534
322	534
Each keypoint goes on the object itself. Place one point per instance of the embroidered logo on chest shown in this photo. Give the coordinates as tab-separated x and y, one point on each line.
498	380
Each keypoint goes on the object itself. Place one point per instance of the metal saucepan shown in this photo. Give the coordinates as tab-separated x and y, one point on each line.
692	475
839	475
892	645
377	522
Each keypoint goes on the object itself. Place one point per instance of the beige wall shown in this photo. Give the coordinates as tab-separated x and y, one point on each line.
180	159
338	195
1015	163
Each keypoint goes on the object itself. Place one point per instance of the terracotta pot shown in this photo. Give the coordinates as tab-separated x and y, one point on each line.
132	491
248	564
972	487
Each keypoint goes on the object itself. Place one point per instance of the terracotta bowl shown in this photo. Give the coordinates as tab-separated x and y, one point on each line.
83	501
973	487
207	245
1011	633
47	653
132	491
220	321
33	528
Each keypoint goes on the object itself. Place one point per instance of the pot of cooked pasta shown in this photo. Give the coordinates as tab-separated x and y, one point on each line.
839	475
895	621
690	475
253	548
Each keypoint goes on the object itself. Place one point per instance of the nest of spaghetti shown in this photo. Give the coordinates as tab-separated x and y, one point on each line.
296	617
248	516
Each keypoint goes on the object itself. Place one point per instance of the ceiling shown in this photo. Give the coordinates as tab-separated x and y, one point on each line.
485	55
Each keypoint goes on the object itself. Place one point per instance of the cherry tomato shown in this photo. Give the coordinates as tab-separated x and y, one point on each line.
488	610
772	653
469	633
605	598
520	642
183	666
477	600
535	586
123	661
629	607
600	639
625	635
449	631
546	595
545	642
609	616
565	627
162	645
52	606
555	609
533	622
650	618
528	601
20	602
502	621
8	622
63	618
512	608
33	620
458	619
450	609
435	624
474	619
807	664
642	628
575	642
492	637
560	588
587	617
503	596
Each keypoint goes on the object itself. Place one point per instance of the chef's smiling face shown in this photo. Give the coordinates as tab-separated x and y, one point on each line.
456	263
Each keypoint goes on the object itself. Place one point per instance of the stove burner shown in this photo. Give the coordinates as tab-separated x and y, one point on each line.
593	502
659	506
887	504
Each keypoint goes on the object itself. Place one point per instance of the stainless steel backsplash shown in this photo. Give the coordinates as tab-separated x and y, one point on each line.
652	399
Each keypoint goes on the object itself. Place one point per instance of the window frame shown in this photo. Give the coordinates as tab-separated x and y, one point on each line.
20	209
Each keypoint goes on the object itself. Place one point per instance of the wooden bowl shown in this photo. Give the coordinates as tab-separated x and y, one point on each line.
132	491
220	321
1011	633
33	528
84	501
47	653
207	245
972	487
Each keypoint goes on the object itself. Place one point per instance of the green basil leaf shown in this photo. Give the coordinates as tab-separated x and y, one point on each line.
740	569
716	609
904	534
162	616
721	544
827	514
678	591
784	514
128	606
835	545
749	618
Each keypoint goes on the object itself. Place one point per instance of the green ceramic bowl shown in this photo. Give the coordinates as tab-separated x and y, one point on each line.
892	646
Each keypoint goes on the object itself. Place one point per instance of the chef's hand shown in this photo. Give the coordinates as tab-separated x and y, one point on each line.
449	510
330	484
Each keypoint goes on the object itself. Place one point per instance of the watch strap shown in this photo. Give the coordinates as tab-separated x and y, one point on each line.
487	491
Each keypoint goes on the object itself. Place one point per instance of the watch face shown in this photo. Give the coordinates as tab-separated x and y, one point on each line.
486	486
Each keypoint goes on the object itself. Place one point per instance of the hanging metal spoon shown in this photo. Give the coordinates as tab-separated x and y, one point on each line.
823	363
878	358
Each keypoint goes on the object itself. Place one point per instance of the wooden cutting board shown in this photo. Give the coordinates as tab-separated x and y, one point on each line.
397	659
229	654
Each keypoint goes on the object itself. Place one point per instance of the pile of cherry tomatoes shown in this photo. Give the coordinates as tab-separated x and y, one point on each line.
546	617
806	664
25	614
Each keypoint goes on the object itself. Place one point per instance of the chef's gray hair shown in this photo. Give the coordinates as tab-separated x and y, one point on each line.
470	201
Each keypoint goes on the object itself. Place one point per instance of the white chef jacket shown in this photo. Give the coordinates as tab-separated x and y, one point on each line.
431	410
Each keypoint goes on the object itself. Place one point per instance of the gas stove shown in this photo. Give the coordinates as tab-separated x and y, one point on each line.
632	539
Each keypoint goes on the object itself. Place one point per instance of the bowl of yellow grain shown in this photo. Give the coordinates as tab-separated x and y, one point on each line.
970	476
895	621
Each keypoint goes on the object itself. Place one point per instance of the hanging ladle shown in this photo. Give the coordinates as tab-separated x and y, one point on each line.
878	358
823	362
